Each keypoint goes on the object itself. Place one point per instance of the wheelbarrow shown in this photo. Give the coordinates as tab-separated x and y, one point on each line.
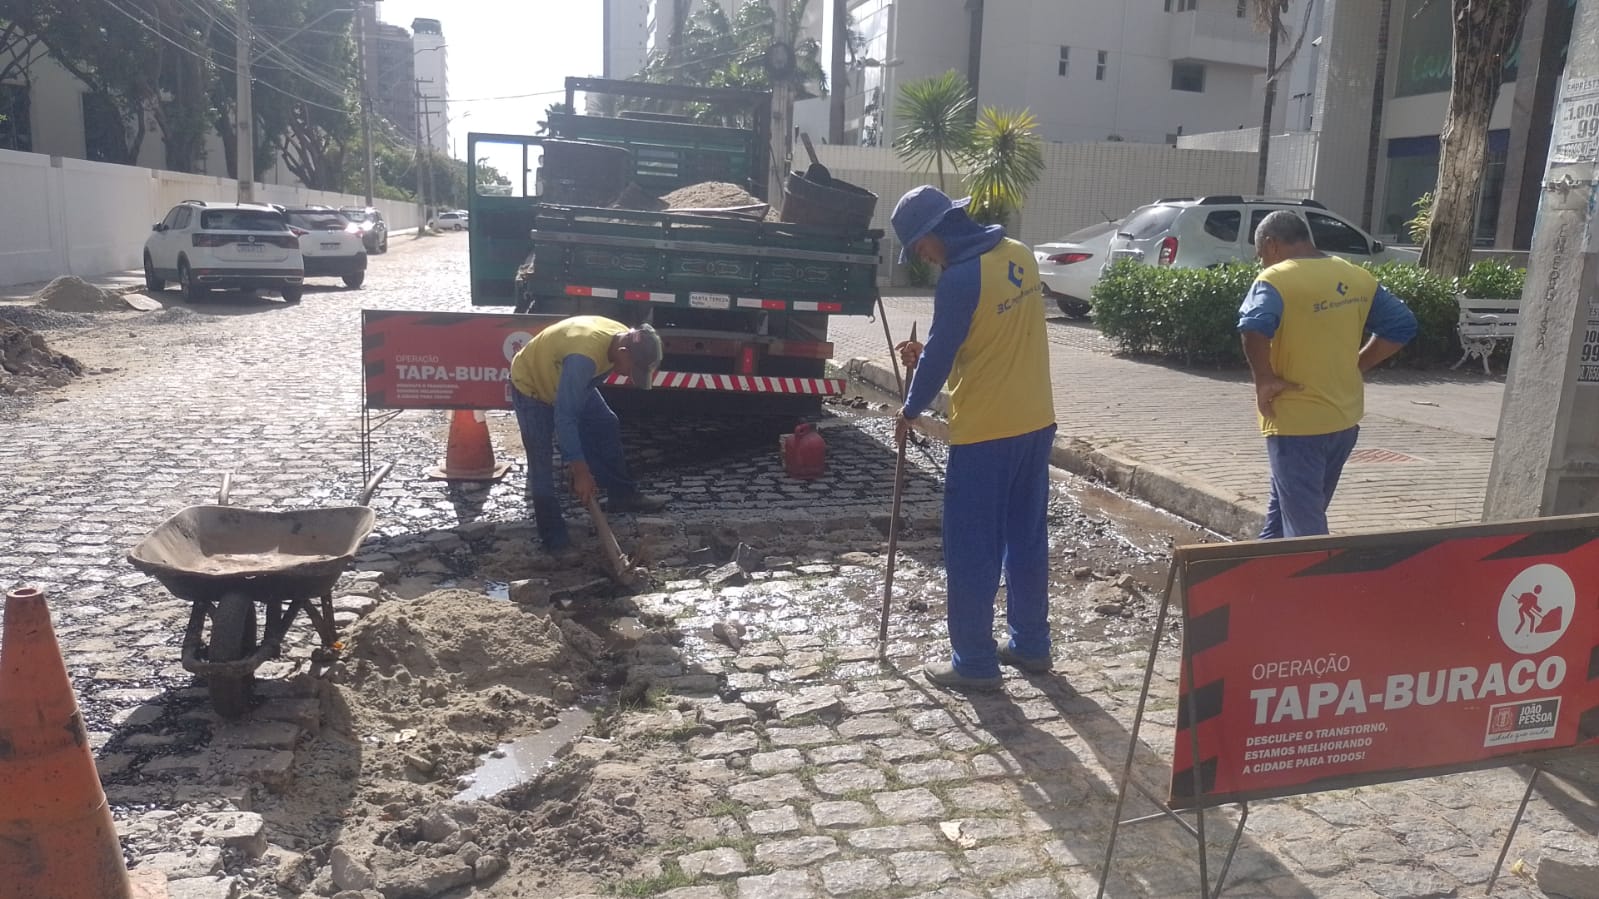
227	561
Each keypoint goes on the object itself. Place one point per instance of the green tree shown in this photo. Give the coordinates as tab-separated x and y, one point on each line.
936	123
319	67
717	51
554	109
1005	161
1484	33
117	55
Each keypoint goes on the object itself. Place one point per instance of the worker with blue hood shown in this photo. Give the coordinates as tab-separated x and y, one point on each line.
987	341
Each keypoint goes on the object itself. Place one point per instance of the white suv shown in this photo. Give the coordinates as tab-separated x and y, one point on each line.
204	245
1198	233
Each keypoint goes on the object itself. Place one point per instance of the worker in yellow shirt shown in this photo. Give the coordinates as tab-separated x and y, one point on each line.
987	340
1304	326
556	379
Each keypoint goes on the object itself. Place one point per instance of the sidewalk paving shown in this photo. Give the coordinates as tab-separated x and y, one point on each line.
1186	439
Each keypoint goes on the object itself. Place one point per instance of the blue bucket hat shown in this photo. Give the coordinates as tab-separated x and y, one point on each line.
918	213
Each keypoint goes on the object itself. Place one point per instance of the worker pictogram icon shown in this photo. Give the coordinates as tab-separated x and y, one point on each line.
1535	619
1536	609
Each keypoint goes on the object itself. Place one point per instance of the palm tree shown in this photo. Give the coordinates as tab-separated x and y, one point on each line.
550	111
936	128
1269	19
1005	161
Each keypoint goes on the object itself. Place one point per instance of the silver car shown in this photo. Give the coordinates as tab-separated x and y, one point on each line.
1185	232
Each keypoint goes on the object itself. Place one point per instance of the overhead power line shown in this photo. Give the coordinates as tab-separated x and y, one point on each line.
214	60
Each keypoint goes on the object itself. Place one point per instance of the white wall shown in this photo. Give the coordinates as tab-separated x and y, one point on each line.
1082	183
66	216
1291	168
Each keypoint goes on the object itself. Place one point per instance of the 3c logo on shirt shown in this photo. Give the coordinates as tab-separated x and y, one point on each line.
1015	274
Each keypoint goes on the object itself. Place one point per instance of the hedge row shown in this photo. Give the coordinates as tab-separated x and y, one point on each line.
1191	314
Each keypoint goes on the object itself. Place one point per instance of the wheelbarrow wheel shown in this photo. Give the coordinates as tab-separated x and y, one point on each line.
232	639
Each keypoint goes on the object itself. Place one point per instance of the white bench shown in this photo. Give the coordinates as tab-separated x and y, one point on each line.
1483	324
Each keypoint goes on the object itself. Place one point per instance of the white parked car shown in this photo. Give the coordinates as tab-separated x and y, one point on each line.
225	245
452	221
1070	266
333	245
1198	233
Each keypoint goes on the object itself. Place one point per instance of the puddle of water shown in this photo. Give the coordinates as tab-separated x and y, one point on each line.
492	589
521	760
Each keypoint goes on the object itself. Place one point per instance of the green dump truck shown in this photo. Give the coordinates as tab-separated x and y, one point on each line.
742	303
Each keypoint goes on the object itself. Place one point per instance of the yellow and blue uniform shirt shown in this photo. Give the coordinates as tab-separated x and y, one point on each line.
987	340
536	370
560	366
1317	312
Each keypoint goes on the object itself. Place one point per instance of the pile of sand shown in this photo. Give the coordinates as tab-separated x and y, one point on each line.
705	195
709	195
70	294
427	685
26	360
437	680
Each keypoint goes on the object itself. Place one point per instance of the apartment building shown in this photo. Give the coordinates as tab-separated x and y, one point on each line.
431	65
390	73
626	27
1137	70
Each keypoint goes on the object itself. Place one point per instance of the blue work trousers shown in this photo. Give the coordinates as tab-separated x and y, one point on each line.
601	434
996	499
1304	474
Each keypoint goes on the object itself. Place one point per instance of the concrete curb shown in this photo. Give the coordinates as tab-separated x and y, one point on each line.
1173	491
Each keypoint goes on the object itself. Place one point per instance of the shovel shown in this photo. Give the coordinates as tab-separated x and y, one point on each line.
893	522
817	173
621	571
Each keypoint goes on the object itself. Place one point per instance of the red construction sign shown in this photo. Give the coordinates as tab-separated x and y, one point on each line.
442	360
462	360
1333	662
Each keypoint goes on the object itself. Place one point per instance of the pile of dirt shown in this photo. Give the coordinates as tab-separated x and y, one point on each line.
435	681
27	361
709	195
70	294
705	195
429	685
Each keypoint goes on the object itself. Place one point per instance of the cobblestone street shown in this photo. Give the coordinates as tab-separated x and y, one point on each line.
746	743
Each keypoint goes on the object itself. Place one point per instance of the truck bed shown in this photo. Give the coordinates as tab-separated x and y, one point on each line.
699	261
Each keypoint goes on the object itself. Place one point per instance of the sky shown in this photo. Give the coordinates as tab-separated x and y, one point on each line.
502	48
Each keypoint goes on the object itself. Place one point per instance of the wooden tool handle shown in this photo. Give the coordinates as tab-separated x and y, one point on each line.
809	149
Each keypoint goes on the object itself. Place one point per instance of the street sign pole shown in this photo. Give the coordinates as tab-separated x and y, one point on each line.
1546	455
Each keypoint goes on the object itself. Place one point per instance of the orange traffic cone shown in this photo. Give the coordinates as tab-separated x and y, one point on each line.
469	456
57	840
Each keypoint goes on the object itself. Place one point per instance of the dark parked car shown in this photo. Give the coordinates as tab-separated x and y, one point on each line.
374	230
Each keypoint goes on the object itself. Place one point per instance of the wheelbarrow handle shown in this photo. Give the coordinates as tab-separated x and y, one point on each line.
227	487
372	485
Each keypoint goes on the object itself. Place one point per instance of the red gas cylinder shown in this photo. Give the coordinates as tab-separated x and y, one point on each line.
804	453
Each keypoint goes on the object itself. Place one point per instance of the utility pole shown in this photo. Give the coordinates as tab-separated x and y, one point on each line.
1546	455
366	95
838	74
421	195
244	152
427	117
782	106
